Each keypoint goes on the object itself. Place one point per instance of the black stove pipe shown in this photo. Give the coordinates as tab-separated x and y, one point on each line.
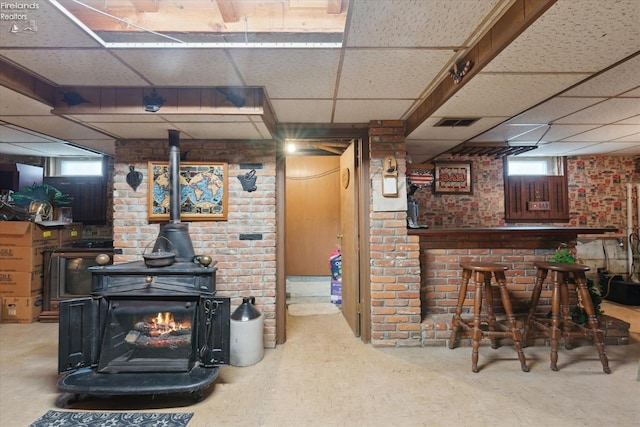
174	176
174	235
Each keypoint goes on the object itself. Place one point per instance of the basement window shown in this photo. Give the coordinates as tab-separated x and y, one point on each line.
75	166
535	166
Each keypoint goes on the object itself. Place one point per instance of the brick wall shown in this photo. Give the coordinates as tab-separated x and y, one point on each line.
395	268
597	194
440	260
245	267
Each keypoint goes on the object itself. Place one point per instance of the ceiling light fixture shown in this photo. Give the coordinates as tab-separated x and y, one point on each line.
153	102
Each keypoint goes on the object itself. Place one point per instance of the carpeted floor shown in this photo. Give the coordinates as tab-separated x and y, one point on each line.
312	309
111	419
324	376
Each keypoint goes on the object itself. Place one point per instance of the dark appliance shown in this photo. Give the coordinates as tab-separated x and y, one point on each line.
67	276
149	327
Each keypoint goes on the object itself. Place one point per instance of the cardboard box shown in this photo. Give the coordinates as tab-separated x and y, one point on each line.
21	284
25	233
21	309
23	258
67	234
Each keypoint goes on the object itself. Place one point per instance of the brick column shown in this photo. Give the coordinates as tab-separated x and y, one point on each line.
395	266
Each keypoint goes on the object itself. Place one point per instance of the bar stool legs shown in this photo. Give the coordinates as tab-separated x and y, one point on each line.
561	322
482	273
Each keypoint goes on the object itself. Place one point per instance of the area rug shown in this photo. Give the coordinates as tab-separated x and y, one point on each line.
111	419
312	309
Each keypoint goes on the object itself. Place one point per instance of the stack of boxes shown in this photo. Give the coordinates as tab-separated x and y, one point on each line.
22	245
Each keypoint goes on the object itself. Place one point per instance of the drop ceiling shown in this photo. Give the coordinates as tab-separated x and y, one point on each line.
566	83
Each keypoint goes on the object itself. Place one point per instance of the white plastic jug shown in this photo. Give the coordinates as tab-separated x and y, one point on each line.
247	334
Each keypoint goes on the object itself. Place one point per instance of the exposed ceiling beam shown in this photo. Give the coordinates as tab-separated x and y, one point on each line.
145	5
517	18
327	147
212	100
32	87
228	10
334	7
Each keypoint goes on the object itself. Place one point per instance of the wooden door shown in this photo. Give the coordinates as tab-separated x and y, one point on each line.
312	214
349	239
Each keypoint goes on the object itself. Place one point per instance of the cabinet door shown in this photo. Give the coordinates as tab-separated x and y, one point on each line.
78	334
521	191
89	196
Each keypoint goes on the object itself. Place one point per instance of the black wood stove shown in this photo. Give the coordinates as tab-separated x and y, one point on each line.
149	327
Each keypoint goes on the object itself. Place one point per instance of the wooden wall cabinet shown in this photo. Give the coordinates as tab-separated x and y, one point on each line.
536	199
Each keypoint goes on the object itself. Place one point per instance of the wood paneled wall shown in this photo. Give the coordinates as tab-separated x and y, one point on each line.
312	214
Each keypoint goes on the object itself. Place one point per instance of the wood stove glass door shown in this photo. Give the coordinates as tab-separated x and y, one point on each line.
143	335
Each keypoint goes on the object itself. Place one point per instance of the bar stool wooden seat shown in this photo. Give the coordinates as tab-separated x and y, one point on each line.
560	318
485	327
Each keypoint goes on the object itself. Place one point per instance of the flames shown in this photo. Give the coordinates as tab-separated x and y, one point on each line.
165	323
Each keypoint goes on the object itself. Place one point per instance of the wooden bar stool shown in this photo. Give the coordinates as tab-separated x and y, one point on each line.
560	274
482	272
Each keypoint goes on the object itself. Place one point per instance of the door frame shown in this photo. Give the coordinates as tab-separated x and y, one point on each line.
360	137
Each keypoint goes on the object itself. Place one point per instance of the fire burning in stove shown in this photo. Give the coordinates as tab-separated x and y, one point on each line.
160	331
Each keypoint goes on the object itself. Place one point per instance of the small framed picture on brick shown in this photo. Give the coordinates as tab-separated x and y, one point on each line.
453	178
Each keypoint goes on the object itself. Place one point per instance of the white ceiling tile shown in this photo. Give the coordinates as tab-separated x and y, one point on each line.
406	23
613	82
574	36
632	150
135	130
207	118
558	132
105	146
608	111
263	131
117	118
421	150
607	147
507	94
427	130
182	67
606	133
630	138
635	120
553	109
303	110
220	130
635	93
389	73
289	73
10	133
72	67
558	148
57	127
511	133
361	111
48	149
